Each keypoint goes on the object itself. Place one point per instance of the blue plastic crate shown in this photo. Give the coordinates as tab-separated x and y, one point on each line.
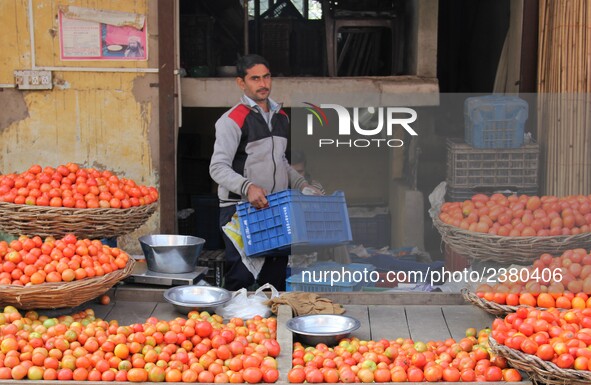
328	265
495	121
370	227
296	282
293	218
387	262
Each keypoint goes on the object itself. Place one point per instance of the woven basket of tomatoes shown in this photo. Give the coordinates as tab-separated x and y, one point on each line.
562	282
70	199
515	229
555	357
55	273
544	372
490	307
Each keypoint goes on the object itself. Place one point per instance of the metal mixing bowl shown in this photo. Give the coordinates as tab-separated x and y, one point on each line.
201	298
173	254
322	328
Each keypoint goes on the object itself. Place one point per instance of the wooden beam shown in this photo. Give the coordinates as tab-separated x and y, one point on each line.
166	109
130	292
529	47
285	339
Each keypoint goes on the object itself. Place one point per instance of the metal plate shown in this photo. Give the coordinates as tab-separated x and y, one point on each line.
193	297
322	328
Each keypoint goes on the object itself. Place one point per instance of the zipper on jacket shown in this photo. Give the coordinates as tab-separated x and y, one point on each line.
273	158
270	127
272	150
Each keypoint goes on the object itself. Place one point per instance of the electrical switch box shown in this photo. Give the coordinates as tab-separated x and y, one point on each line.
33	80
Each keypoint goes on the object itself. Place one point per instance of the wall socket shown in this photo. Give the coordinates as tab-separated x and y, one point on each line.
33	80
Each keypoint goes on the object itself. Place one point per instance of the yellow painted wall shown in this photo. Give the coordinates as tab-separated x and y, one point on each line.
101	119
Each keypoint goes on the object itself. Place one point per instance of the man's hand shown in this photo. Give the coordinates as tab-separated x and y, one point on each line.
257	196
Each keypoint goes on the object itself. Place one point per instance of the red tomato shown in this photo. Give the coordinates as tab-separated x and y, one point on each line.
529	346
254	375
331	375
398	375
493	373
273	348
511	375
203	329
468	375
451	374
433	373
565	361
271	375
415	374
545	352
296	375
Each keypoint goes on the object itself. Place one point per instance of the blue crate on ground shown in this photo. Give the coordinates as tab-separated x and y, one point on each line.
495	121
299	282
293	218
330	265
371	231
389	263
386	262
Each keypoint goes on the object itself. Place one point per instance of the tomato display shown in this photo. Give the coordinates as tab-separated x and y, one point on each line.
75	187
520	216
561	337
31	261
401	360
81	347
563	282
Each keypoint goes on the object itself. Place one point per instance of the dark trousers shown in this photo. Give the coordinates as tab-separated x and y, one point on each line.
237	275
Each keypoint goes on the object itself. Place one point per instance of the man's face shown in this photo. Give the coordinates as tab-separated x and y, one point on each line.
257	83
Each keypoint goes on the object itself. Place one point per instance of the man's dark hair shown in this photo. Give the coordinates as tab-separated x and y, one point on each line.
247	62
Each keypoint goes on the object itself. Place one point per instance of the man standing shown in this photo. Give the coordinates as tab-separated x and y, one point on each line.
249	162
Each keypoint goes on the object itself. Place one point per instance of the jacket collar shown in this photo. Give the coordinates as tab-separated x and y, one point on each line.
273	105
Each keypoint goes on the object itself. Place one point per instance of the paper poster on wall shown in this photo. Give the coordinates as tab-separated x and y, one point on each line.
88	34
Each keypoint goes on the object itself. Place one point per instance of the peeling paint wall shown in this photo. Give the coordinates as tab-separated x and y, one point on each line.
14	107
100	119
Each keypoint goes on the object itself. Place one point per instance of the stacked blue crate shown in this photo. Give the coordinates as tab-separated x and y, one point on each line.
495	121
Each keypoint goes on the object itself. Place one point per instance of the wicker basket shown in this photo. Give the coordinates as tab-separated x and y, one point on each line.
53	295
488	306
542	372
486	247
84	223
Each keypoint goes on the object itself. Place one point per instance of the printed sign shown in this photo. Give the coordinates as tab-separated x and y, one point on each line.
93	40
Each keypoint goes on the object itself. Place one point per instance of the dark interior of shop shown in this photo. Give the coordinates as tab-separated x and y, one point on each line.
290	34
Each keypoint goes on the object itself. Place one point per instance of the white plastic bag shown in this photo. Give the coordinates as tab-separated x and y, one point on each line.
232	231
437	198
246	306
